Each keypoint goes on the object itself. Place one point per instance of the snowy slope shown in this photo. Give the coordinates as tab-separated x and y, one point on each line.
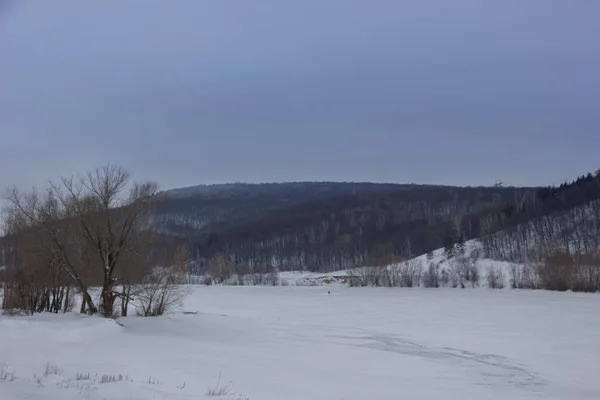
483	264
276	343
340	277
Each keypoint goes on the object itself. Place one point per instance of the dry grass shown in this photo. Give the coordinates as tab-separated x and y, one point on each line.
51	369
218	389
83	377
6	374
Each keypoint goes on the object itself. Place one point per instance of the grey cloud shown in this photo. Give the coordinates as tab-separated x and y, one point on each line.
188	92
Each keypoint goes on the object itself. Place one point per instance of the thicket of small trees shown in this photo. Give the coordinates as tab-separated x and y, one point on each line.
94	231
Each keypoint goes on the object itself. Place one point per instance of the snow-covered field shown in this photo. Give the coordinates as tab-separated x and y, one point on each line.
283	343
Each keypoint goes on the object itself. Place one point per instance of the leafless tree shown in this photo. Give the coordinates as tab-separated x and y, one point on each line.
431	277
464	270
410	273
163	287
525	276
218	268
35	280
90	223
494	277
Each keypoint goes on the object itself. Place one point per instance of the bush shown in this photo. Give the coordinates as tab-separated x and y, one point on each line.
6	374
83	376
271	279
563	271
410	273
494	278
406	274
444	277
524	276
108	378
366	276
161	292
431	277
464	271
218	389
50	369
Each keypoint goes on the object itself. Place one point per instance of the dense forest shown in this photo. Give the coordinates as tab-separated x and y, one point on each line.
323	226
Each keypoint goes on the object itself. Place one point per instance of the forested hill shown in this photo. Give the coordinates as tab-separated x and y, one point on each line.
325	225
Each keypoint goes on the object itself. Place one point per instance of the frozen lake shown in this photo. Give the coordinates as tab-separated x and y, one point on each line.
275	343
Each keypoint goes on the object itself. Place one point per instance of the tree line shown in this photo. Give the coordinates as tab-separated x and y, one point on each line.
323	233
520	225
134	243
80	233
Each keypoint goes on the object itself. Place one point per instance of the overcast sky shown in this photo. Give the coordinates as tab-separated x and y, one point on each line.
199	91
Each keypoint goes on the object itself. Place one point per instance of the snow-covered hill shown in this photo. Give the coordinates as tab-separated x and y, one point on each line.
444	264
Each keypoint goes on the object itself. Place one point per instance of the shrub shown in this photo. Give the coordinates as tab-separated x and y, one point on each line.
83	377
161	292
218	389
50	369
431	277
108	378
524	276
410	273
563	271
494	278
444	277
5	373
464	271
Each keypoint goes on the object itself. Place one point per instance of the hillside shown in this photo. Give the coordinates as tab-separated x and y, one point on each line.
326	226
323	226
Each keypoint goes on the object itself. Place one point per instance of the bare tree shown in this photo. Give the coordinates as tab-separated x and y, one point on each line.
462	270
410	272
42	215
431	277
218	268
163	287
35	281
90	223
495	277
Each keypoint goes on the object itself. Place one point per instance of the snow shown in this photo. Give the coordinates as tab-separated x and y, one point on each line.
296	278
275	343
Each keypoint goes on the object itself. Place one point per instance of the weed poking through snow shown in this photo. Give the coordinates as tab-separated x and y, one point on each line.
219	390
6	374
51	369
107	378
83	377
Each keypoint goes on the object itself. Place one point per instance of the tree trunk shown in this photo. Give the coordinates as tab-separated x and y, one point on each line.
87	301
126	292
82	308
108	301
66	305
